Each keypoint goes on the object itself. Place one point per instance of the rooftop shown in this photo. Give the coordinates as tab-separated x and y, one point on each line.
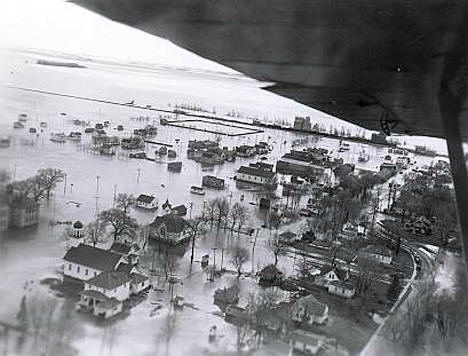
109	280
143	198
255	172
121	248
174	223
93	257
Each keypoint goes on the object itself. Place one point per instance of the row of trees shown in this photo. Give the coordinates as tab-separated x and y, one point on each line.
343	204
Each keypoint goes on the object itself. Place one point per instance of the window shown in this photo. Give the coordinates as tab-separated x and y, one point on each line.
78	269
95	274
86	272
115	290
142	284
69	266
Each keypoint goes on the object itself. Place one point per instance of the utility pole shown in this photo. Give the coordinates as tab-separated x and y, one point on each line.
97	195
115	195
138	175
191	207
65	184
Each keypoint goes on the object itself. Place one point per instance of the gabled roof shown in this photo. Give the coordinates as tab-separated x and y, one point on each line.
137	278
255	172
109	280
341	274
125	268
94	294
173	223
312	305
121	248
147	199
288	235
378	250
93	257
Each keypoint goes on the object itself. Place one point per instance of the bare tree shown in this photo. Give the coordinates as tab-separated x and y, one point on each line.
125	201
222	211
49	178
276	247
195	228
121	223
95	232
239	256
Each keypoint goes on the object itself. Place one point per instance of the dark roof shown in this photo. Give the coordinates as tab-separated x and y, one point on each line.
78	224
341	274
288	235
174	223
94	294
137	278
312	305
180	209
124	268
121	248
109	280
93	257
109	303
255	172
147	199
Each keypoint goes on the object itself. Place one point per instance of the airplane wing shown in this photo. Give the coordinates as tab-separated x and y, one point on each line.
377	64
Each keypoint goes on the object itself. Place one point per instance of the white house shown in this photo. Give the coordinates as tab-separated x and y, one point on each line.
309	310
333	273
85	262
305	342
256	176
146	202
378	253
111	284
341	288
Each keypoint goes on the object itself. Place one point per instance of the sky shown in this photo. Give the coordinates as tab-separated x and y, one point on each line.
56	25
62	27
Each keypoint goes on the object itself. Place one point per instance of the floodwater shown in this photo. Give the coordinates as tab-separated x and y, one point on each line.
93	180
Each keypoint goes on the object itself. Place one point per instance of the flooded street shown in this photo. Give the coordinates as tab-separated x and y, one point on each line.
92	181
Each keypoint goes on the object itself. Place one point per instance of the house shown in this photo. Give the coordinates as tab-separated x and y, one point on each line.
341	288
388	167
212	182
349	231
403	162
302	123
309	310
145	201
269	275
77	229
85	262
245	151
131	252
333	273
305	343
169	228
180	210
256	176
378	253
104	294
24	212
174	167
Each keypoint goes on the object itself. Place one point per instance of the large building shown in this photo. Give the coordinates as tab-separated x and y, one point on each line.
24	212
256	176
302	123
